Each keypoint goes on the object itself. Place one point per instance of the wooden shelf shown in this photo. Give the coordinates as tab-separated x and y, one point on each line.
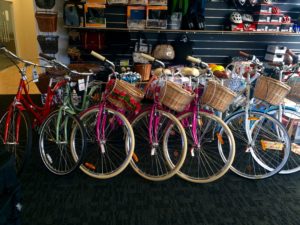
185	31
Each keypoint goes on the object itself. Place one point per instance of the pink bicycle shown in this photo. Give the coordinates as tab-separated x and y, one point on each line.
161	143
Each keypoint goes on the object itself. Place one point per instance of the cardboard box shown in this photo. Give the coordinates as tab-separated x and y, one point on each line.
157	17
94	15
136	17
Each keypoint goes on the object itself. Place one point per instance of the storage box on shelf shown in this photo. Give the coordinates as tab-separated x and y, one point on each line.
276	18
262	26
136	17
157	2
116	2
263	8
262	17
274	57
276	49
275	27
286	27
138	2
101	2
157	17
94	15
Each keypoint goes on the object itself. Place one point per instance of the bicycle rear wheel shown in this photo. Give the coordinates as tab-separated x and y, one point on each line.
19	127
111	155
291	121
267	152
62	143
204	163
162	160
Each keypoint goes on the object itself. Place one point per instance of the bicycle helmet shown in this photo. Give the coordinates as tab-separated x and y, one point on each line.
286	19
275	10
253	2
267	2
247	18
236	17
242	2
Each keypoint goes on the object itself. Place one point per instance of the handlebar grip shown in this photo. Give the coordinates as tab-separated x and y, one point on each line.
46	56
246	55
193	59
98	56
149	57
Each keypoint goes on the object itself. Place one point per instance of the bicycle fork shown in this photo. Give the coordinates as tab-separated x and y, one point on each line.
100	127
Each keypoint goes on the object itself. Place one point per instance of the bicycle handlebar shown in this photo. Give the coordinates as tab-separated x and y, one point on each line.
102	58
52	60
152	59
197	61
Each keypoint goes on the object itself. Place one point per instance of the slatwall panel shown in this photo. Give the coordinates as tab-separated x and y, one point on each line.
212	47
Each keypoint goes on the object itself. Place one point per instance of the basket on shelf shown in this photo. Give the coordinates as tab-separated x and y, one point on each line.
48	44
175	97
271	90
144	70
217	96
45	4
294	94
47	21
120	86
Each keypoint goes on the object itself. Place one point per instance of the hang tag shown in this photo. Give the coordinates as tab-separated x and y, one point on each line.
35	76
81	84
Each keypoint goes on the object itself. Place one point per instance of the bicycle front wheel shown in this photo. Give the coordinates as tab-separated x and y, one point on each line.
204	163
62	143
19	137
291	121
161	159
109	156
264	150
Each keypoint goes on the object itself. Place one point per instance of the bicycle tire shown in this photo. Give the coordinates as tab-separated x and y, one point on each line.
96	161
161	156
22	150
64	155
203	164
256	161
293	163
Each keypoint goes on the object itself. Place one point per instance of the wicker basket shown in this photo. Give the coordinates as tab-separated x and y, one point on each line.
175	97
144	70
43	83
217	96
271	90
131	90
49	44
294	94
47	22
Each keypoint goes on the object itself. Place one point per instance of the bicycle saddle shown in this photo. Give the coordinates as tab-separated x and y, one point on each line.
190	71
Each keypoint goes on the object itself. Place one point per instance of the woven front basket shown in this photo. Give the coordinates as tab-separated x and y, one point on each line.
129	89
47	22
175	97
271	90
217	96
294	94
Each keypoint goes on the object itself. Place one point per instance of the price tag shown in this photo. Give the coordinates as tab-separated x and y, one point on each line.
272	145
35	76
81	84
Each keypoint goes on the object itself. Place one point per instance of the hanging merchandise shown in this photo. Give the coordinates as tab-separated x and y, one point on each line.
195	16
141	46
45	4
92	41
183	47
180	6
163	50
73	14
48	43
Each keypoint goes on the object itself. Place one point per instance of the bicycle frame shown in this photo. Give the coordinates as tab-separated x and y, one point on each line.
23	102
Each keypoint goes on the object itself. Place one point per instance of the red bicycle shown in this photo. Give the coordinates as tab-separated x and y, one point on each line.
15	125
